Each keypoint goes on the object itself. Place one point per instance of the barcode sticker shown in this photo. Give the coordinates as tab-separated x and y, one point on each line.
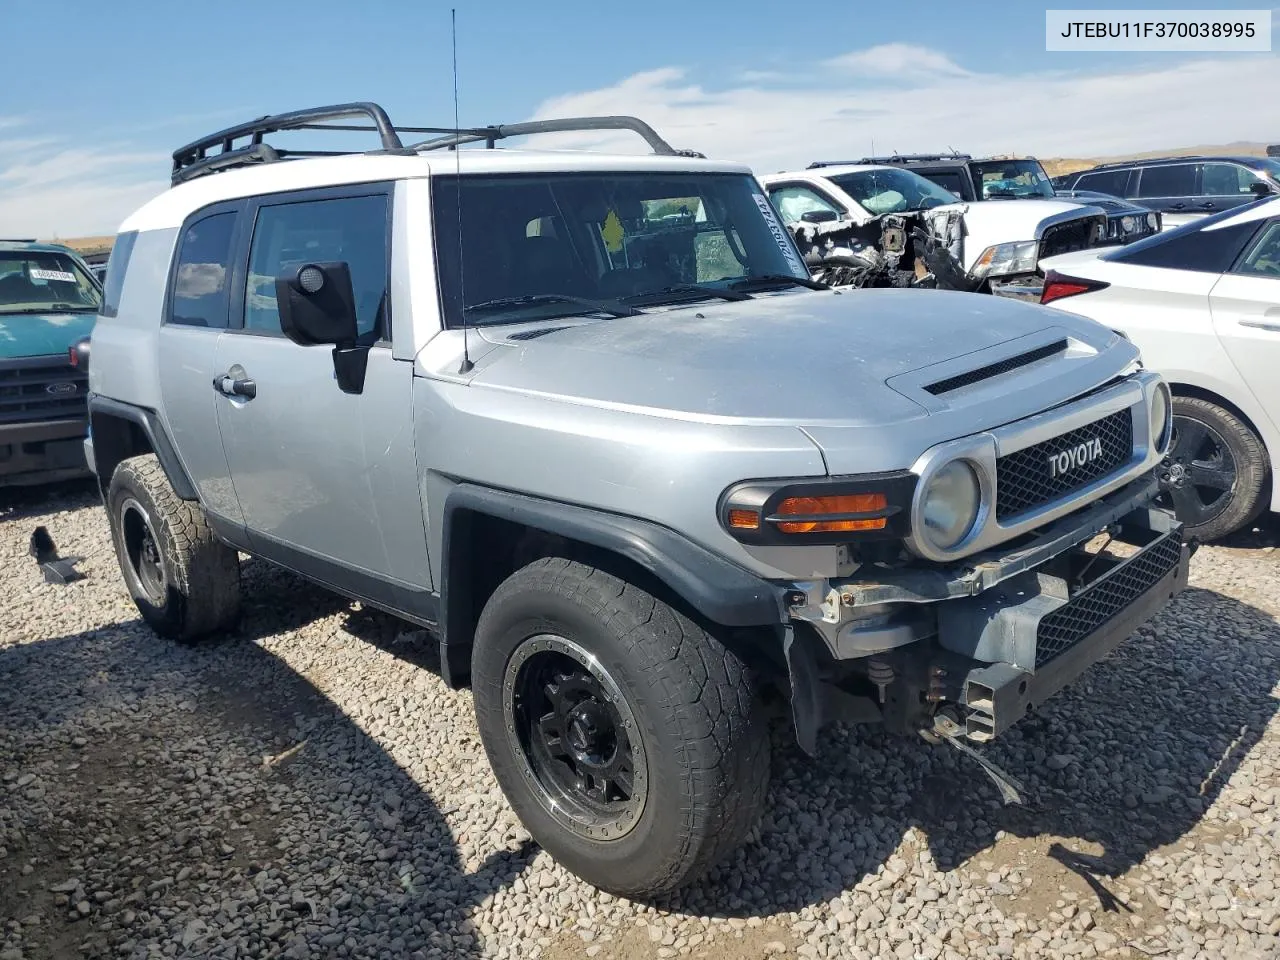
63	275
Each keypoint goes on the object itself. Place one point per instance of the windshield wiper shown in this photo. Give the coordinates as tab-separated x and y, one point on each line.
614	308
771	279
656	296
51	308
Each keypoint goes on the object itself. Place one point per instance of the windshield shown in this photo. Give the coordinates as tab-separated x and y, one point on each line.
1269	166
33	281
892	191
1010	178
535	247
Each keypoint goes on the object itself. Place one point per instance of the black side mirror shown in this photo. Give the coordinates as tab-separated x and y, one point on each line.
819	216
1261	188
318	306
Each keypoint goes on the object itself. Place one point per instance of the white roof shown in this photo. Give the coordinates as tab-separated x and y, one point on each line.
173	206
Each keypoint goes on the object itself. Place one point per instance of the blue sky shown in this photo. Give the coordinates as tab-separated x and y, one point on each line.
100	94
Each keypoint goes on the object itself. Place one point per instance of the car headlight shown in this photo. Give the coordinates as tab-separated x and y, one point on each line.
1153	221
949	505
1161	417
1007	258
1128	224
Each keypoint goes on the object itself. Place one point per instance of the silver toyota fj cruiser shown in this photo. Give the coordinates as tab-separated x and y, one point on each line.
588	419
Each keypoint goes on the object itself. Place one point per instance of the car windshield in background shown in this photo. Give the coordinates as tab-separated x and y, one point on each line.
892	191
34	281
1010	178
1270	167
537	247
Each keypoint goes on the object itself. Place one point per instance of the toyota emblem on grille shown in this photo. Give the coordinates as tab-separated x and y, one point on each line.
62	389
1074	457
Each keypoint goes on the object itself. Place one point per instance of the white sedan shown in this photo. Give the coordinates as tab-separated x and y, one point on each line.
1202	303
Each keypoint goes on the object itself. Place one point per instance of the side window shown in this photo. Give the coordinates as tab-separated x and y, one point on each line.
793	202
1227	180
204	270
117	264
1264	259
1113	182
289	235
1174	180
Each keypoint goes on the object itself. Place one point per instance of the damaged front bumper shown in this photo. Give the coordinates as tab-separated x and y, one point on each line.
991	640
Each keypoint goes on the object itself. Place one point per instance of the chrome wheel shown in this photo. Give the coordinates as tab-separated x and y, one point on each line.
1198	477
144	567
575	737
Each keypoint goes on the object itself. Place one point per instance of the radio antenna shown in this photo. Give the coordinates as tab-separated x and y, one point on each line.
467	365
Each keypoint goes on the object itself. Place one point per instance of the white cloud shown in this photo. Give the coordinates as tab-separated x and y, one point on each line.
776	127
49	188
897	62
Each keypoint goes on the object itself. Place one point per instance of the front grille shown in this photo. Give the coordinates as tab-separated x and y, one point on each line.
1101	600
1027	479
43	388
996	369
1068	237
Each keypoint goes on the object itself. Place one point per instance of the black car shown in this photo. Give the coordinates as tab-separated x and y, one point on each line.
1019	179
1182	188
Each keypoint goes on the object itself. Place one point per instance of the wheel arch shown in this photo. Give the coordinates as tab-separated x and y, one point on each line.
487	534
122	430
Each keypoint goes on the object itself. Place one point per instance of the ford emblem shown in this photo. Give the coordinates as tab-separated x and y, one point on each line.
63	389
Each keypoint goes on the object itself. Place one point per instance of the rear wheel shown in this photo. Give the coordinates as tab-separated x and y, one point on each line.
184	581
1216	470
629	740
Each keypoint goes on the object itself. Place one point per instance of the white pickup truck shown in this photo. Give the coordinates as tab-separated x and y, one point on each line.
883	226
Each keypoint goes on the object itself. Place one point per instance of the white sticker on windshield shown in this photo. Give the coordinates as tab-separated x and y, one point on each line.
780	236
63	275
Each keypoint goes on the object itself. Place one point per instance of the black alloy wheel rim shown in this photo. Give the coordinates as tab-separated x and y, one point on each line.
145	568
576	738
1198	477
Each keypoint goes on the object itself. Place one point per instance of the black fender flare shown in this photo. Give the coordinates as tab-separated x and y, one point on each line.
718	589
149	423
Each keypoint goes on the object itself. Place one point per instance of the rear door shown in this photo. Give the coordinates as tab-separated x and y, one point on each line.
1171	188
1246	315
326	480
195	317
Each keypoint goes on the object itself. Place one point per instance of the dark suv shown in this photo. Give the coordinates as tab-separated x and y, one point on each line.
1020	179
1182	188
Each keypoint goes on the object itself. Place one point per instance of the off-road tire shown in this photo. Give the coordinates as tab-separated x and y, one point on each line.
1251	465
201	574
695	704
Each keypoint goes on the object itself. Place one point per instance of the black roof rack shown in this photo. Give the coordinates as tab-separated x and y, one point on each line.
219	151
893	158
1273	150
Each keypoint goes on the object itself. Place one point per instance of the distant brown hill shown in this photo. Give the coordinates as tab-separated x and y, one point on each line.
1055	166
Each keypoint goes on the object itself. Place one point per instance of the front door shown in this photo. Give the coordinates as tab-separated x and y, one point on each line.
326	480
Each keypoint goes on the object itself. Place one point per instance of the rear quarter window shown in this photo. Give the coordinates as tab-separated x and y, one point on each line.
117	264
1192	247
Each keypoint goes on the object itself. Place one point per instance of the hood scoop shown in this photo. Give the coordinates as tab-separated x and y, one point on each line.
959	381
534	334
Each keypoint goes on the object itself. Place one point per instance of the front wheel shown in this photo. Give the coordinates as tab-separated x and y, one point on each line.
629	741
1216	472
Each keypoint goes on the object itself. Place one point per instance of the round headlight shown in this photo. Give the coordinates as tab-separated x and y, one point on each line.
1161	418
1151	220
1128	223
950	504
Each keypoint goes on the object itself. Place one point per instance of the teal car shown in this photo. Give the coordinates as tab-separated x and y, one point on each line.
48	302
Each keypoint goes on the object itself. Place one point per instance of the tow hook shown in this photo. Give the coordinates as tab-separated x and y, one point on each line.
946	730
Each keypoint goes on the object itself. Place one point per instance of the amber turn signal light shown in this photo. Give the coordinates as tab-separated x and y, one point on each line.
810	513
744	519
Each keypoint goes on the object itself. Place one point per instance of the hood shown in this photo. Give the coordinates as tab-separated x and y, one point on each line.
1023	216
41	334
796	358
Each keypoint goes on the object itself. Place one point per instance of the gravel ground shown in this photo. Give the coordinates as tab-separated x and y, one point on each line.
309	788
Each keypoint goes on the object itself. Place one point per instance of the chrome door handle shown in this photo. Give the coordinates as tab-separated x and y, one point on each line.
1262	325
228	386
